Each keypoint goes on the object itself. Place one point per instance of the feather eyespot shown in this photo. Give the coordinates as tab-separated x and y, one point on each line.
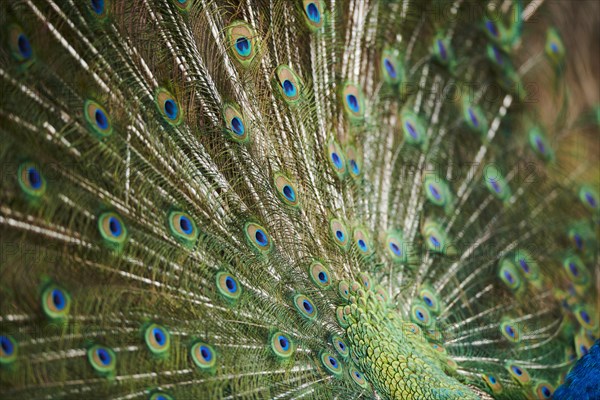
258	237
421	315
331	364
203	356
20	45
358	378
339	233
576	270
413	128
344	289
589	197
313	12
305	306
160	396
183	228
183	5
282	345
8	349
288	84
539	144
436	239
363	242
158	339
336	159
102	359
544	390
354	162
475	118
353	101
509	274
391	68
31	180
228	286
493	383
235	123
586	318
442	51
395	247
243	42
527	264
430	299
496	184
286	190
99	8
56	302
437	191
555	48
320	275
97	119
340	346
112	229
518	373
510	331
168	107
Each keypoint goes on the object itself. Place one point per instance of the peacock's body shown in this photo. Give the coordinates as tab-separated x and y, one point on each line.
291	199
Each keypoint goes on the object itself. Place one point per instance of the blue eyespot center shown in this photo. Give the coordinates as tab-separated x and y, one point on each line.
554	47
428	301
322	277
159	336
354	167
35	179
491	27
312	11
540	145
336	160
353	103
497	55
495	185
411	130
237	126
171	109
333	362
546	392
578	241
590	199
24	46
115	226
231	284
473	117
339	235
289	193
585	316
342	345
517	370
442	49
434	241
524	265
420	315
243	46
307	306
492	380
389	67
7	346
103	356
357	375
573	268
509	277
509	330
289	88
261	238
58	299
284	343
98	6
362	245
395	249
205	353
101	119
434	192
186	225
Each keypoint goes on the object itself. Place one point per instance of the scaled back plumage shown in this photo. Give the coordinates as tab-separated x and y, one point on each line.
291	199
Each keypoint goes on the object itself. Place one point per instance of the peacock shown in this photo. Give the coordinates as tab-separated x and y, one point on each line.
297	199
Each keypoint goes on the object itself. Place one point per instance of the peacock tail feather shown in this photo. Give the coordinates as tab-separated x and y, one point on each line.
274	199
